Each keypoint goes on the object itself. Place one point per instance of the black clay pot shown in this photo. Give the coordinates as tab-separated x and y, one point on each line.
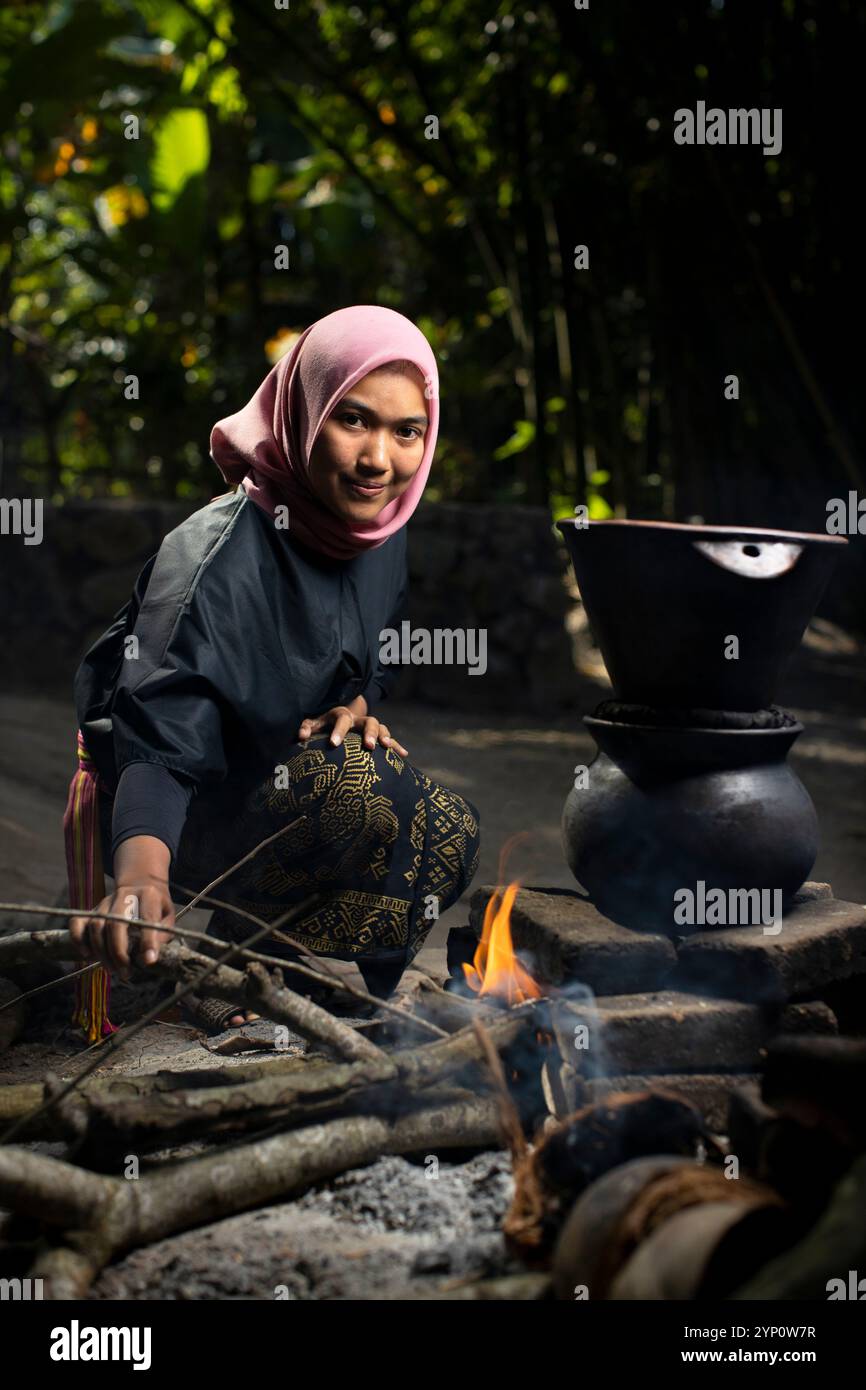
690	786
664	599
666	808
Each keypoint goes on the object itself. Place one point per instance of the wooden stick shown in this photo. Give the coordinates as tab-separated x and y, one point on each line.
146	1112
178	962
113	1044
23	948
509	1118
255	989
319	971
110	1215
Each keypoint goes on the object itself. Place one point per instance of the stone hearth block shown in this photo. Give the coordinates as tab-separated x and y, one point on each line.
668	1031
570	939
812	890
709	1091
820	942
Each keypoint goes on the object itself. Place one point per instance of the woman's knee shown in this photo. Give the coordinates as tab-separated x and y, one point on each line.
322	768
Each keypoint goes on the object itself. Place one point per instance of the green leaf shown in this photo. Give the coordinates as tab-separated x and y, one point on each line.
598	508
561	506
499	300
181	152
57	17
263	181
192	71
138	52
524	434
229	226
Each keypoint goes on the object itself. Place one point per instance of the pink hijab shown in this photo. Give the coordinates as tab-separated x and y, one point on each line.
266	445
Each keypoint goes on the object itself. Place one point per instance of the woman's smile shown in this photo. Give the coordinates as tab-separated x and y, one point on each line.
365	489
371	445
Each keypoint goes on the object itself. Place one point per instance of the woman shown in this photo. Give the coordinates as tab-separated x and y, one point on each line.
235	692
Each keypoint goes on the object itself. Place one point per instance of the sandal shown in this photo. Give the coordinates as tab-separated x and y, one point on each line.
213	1014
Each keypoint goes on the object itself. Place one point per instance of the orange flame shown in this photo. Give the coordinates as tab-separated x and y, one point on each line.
495	968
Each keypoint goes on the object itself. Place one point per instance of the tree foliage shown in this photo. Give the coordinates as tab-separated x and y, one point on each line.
566	376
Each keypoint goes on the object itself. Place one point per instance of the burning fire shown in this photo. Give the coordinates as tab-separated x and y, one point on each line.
495	968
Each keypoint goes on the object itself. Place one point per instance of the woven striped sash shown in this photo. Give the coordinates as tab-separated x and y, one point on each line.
87	888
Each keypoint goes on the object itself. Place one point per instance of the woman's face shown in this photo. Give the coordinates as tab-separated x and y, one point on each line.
371	446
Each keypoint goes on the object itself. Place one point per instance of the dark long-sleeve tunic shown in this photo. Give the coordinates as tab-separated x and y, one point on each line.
233	634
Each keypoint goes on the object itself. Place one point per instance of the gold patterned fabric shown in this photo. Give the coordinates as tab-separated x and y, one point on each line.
395	848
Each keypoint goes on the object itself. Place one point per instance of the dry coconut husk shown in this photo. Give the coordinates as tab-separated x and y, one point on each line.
568	1157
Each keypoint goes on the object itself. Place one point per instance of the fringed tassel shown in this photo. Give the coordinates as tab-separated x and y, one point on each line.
87	888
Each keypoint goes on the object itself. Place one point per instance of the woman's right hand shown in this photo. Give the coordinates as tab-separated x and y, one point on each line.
95	939
141	865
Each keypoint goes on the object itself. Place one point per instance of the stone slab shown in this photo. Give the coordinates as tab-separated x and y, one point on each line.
669	1031
812	890
709	1091
569	939
821	941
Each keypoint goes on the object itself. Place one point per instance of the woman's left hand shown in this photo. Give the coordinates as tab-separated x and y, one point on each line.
344	719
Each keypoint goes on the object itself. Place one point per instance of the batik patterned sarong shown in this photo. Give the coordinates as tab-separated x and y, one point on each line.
392	848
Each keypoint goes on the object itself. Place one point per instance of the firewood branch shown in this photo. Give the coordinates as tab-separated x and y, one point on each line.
25	948
112	1215
146	1112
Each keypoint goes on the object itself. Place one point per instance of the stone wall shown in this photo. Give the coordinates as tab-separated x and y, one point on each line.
503	569
58	596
